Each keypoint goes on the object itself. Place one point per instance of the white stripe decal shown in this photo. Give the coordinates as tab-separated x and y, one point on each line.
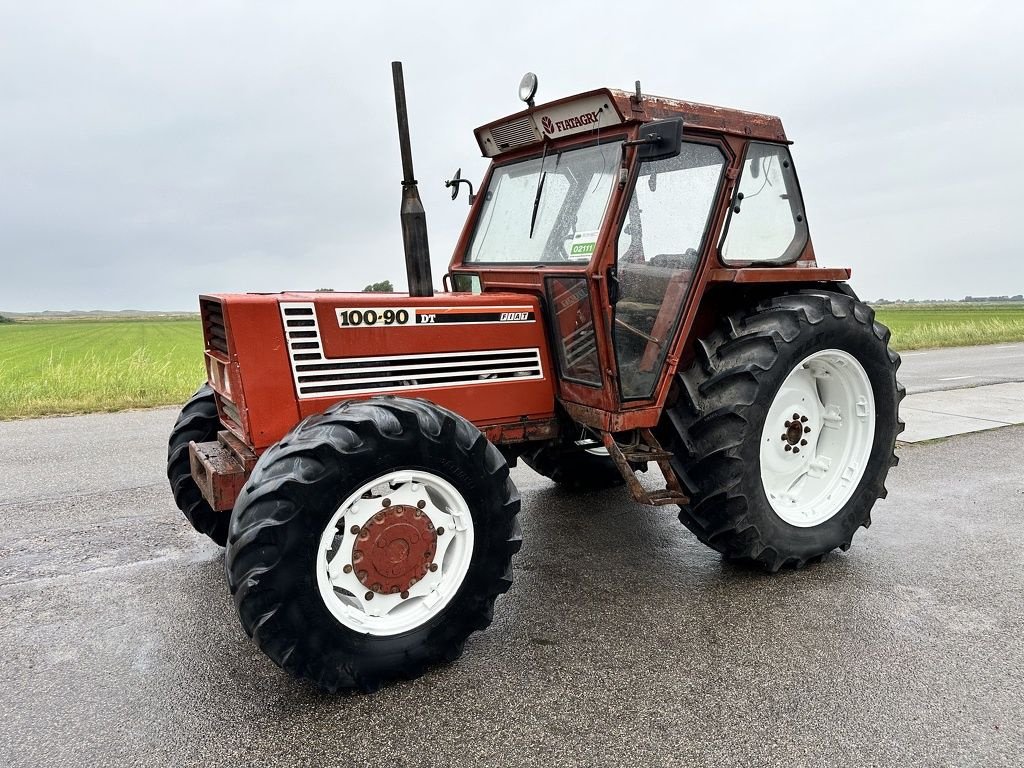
316	375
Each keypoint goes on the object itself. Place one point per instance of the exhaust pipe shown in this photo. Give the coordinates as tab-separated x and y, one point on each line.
414	218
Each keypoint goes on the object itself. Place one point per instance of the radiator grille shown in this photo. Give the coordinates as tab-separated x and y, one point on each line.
319	376
514	134
213	325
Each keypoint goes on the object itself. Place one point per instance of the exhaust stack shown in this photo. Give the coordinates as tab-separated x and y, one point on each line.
414	218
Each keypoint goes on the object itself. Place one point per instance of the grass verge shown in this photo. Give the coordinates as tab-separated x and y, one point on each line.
77	367
952	325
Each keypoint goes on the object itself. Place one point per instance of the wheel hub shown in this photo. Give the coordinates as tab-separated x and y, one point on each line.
394	549
795	434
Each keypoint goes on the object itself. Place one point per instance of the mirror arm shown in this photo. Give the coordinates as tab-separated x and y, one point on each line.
454	183
651	138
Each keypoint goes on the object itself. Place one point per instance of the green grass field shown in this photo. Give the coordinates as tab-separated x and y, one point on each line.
952	325
79	366
68	366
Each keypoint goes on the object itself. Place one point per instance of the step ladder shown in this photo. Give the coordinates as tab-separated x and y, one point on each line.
643	448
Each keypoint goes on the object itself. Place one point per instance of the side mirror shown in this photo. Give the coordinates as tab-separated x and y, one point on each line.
454	183
659	140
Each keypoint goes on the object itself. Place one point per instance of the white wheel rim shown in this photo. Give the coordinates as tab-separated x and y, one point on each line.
811	465
345	595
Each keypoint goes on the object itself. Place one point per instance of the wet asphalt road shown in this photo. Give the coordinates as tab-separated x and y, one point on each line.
928	370
623	641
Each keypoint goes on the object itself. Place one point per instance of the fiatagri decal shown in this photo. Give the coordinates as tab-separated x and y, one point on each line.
552	127
363	317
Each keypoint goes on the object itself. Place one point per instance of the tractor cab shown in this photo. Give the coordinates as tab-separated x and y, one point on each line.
618	209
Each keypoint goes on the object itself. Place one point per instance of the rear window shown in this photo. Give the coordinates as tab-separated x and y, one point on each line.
769	225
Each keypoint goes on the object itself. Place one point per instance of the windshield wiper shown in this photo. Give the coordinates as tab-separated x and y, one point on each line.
540	188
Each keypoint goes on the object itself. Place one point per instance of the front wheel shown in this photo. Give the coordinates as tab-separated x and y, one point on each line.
371	542
783	428
198	422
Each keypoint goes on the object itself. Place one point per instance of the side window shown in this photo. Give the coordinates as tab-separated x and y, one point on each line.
658	249
770	225
569	302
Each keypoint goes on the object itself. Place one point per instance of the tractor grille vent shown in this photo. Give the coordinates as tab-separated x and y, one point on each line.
514	134
230	414
213	326
319	376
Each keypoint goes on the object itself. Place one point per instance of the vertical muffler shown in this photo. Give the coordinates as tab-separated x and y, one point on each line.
414	218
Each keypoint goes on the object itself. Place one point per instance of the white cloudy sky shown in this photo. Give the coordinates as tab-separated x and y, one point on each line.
153	150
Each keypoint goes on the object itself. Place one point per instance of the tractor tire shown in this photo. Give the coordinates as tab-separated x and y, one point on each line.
197	421
574	470
786	493
371	541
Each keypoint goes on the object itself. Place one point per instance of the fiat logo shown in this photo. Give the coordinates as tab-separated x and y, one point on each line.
549	127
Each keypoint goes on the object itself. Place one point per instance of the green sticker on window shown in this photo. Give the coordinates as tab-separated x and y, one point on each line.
582	249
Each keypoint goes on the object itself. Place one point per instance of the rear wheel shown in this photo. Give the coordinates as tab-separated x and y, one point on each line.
371	542
198	421
577	466
784	427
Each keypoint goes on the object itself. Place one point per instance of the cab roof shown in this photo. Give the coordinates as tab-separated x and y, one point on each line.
592	111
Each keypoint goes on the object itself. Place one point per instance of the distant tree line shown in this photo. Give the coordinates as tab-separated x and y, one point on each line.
965	299
384	286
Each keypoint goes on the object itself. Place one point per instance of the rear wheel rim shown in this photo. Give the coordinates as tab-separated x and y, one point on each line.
438	565
817	438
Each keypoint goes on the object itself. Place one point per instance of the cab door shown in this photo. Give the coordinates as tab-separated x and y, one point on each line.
660	243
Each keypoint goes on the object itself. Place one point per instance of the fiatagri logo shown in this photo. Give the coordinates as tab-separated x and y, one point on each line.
559	126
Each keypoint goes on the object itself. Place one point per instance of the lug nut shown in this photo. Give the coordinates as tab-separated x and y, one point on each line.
787	424
361	575
440	531
803	419
796	416
355	529
785	436
807	430
433	567
796	450
405	594
369	595
788	447
386	503
803	442
421	503
347	569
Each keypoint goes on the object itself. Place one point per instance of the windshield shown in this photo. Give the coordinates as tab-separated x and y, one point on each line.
548	208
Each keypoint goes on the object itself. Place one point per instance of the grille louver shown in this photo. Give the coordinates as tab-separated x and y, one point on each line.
514	133
319	376
213	325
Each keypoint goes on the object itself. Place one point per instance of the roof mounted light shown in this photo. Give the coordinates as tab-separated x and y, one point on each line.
528	88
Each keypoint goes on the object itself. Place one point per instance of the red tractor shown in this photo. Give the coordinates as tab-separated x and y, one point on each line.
635	283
